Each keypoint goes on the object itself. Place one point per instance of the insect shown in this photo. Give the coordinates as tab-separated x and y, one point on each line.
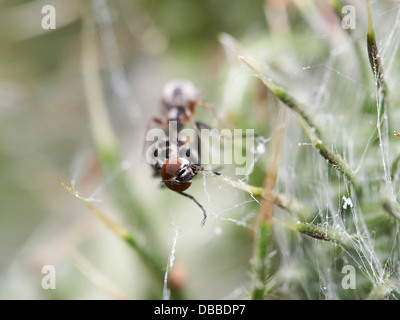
179	100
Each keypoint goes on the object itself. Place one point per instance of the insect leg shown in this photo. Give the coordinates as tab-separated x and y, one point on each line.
201	207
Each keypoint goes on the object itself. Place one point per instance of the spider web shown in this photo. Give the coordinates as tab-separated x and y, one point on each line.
345	213
332	85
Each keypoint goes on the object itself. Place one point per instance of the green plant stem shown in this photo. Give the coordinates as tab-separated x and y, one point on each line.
260	260
374	58
333	158
264	233
390	203
306	122
103	135
151	261
319	232
107	149
289	204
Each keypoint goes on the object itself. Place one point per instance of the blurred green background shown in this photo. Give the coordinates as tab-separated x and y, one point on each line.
46	135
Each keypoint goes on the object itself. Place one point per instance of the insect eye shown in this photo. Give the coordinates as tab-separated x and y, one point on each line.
182	173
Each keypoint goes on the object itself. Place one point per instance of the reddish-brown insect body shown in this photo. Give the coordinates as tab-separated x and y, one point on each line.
177	174
179	100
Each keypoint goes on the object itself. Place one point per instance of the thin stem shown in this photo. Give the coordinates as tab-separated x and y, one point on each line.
271	176
306	122
333	158
262	246
260	261
151	261
382	115
263	229
319	232
289	204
